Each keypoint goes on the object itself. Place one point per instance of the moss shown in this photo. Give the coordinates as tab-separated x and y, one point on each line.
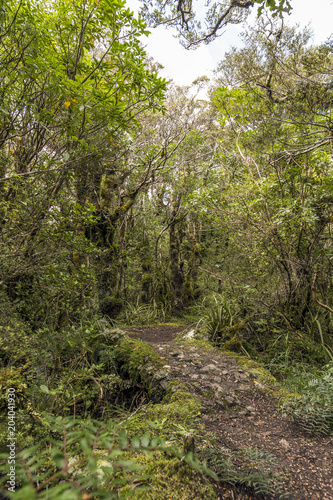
179	410
132	354
174	386
168	478
234	344
11	378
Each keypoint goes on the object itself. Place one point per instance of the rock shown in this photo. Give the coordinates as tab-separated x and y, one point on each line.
208	368
231	400
160	374
242	388
218	387
239	376
189	335
176	388
164	384
284	444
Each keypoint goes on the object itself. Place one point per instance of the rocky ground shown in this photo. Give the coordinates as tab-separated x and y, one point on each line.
240	413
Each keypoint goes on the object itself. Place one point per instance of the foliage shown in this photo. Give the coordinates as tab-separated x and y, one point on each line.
218	315
312	410
145	314
71	96
132	354
250	467
189	21
90	458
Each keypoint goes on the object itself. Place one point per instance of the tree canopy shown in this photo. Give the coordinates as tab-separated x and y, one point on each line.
214	16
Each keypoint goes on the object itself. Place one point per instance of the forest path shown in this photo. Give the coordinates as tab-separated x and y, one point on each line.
237	409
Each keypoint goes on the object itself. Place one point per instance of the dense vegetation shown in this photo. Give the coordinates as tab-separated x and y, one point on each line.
127	201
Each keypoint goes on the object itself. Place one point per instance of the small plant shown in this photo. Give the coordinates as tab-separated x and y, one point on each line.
313	410
248	467
139	314
136	313
217	315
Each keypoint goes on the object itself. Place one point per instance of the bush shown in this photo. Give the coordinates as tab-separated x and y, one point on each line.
218	317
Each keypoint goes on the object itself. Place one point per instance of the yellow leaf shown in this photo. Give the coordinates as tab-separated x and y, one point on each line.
67	103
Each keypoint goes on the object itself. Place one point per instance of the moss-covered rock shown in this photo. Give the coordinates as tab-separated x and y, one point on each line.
178	412
131	355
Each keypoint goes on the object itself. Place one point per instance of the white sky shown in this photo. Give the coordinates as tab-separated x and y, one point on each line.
183	66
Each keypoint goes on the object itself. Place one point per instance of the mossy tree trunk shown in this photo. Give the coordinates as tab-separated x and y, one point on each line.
176	235
193	264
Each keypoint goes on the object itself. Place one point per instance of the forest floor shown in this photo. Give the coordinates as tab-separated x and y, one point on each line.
240	413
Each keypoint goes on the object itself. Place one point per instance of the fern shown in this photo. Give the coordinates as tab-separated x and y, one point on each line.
248	467
217	315
88	460
313	411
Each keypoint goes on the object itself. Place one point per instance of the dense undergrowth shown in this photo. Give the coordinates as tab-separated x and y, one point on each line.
88	423
83	405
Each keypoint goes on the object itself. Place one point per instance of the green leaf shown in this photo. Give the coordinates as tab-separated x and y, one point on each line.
145	440
122	440
135	442
58	457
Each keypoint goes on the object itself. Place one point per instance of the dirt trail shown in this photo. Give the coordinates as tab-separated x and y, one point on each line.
238	410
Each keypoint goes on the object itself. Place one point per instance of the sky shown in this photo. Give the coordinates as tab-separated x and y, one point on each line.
184	66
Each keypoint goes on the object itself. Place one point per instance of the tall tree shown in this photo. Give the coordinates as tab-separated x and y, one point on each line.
73	81
215	16
276	107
